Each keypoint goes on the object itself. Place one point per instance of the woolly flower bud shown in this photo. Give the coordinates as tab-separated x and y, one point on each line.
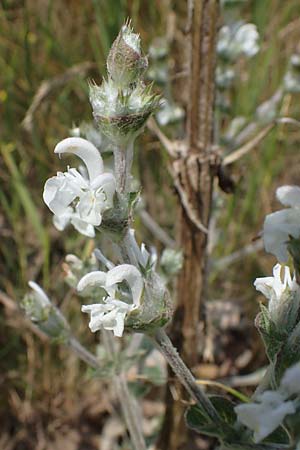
121	114
74	268
171	261
41	311
125	62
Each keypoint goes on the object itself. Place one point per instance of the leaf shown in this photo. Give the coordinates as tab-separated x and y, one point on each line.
225	408
197	419
139	389
273	339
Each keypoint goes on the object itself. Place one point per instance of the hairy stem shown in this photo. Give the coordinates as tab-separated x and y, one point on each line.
123	157
130	252
183	373
83	353
128	405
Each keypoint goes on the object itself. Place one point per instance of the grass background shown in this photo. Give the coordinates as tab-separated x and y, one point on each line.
41	385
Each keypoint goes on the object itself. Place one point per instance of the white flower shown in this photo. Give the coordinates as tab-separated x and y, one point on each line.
111	314
290	383
264	417
273	287
75	199
280	225
238	40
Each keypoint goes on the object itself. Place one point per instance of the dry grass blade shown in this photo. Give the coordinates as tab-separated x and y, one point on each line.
48	86
172	147
250	145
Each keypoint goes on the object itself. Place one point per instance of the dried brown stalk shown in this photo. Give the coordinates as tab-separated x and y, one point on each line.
194	171
47	87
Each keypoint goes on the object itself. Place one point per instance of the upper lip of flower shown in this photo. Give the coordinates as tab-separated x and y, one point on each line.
110	280
86	151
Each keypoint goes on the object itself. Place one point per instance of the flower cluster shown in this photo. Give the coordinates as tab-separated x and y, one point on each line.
276	290
80	199
237	40
280	226
117	301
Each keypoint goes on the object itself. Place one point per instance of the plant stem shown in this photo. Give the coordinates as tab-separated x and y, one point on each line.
122	171
184	375
127	403
83	353
123	156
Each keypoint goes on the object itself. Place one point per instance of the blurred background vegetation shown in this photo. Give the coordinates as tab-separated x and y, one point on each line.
44	392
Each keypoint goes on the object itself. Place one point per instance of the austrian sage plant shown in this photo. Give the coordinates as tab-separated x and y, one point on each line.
129	294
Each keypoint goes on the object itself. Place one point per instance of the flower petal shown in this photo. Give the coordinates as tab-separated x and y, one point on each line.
130	274
57	194
289	195
86	151
278	226
264	417
83	227
96	278
105	183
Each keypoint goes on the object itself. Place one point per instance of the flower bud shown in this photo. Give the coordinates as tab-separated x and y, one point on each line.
171	261
125	62
41	311
74	268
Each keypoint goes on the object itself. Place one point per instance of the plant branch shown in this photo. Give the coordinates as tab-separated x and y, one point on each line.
123	156
47	87
183	373
127	403
83	353
156	229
